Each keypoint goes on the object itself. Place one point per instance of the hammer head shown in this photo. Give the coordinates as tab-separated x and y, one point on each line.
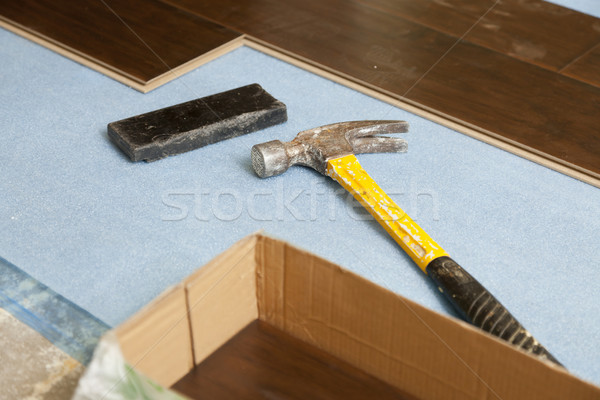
314	147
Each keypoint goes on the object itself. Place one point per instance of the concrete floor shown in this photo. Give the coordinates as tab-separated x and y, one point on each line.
32	368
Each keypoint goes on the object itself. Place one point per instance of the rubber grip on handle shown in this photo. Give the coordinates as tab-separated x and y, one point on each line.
480	308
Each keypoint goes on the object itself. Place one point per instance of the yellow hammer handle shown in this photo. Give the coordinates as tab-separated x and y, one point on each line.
411	237
466	294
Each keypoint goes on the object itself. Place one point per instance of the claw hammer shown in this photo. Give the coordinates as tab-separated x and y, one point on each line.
330	150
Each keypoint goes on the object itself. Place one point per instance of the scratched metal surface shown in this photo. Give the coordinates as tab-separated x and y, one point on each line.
110	235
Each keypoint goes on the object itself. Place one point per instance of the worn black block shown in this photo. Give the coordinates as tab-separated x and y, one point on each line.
197	123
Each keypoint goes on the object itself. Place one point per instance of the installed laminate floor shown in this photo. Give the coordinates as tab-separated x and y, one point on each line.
522	72
543	112
534	31
587	67
480	82
139	40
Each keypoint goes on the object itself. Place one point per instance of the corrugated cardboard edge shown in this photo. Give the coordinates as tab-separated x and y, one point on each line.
157	340
222	297
189	321
425	354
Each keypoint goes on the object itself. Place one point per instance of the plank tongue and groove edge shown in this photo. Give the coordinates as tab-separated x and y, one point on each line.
532	85
142	44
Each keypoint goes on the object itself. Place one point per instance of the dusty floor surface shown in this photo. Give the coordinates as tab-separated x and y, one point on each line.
32	368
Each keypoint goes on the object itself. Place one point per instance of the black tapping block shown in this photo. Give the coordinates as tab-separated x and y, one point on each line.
197	123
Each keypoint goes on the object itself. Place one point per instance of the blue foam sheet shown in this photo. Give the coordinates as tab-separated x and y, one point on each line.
110	235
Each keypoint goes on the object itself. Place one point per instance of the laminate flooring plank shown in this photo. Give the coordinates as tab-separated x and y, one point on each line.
453	17
539	110
262	362
537	32
555	116
157	37
343	36
586	68
533	108
534	31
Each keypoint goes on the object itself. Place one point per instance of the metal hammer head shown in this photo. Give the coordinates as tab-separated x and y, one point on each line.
314	147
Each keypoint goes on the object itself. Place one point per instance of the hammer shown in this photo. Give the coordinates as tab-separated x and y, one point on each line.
330	150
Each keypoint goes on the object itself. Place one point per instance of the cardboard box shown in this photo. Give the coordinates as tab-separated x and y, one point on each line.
421	352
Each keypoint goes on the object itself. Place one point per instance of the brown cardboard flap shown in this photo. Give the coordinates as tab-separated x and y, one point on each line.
269	280
409	346
423	353
156	341
222	297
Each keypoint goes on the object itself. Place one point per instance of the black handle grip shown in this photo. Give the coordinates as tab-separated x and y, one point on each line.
480	308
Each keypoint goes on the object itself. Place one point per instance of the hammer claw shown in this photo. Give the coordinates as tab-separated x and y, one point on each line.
370	128
314	147
378	144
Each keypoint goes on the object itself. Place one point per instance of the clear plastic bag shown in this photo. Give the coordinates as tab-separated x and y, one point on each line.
110	377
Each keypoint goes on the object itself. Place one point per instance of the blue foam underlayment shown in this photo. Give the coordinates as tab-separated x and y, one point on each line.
70	328
110	235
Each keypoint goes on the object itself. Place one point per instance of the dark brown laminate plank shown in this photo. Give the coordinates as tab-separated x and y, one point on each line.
537	32
340	35
88	27
539	109
534	31
556	116
262	362
586	68
527	106
454	17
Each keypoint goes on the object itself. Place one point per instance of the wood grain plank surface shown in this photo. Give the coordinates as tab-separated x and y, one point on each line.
586	68
537	32
141	40
499	81
528	106
534	31
540	110
344	36
454	17
262	362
